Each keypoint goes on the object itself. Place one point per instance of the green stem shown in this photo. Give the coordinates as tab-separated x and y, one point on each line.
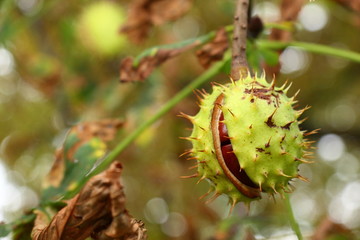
311	47
210	73
294	225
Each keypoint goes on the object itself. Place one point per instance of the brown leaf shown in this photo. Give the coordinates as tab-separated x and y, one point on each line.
214	50
144	14
289	10
104	129
131	73
97	211
174	10
56	173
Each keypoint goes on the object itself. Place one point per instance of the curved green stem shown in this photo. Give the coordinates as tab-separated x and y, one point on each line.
311	47
210	73
294	225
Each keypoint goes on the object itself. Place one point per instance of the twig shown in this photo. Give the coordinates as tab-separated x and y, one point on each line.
239	64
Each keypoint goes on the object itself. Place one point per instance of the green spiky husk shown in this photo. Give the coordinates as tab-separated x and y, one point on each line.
264	131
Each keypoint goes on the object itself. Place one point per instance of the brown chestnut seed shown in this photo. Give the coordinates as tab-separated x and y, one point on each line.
250	192
233	165
223	132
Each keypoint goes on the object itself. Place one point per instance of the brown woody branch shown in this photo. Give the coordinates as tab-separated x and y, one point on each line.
239	64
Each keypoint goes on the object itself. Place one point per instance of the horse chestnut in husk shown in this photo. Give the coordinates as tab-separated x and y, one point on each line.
246	139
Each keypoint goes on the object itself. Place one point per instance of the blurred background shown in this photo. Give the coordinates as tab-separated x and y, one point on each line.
59	65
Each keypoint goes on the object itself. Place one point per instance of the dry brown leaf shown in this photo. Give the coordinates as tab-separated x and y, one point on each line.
105	129
57	170
174	10
129	73
328	228
289	10
214	50
351	4
146	13
97	211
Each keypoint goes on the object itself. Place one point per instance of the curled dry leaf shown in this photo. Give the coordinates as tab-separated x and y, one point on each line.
105	130
289	10
131	73
146	13
97	211
214	50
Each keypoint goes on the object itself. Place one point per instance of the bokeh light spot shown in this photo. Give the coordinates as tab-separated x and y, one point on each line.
331	147
293	60
175	226
345	207
29	7
268	11
348	167
17	197
313	17
6	62
186	27
342	117
157	210
305	206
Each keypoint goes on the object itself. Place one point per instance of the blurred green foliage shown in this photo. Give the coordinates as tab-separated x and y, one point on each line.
57	81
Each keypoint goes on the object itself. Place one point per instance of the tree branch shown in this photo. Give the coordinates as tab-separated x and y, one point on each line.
239	64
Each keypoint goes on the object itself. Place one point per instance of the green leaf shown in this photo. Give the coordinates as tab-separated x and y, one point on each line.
20	229
227	67
285	26
80	156
253	56
70	141
5	229
270	57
